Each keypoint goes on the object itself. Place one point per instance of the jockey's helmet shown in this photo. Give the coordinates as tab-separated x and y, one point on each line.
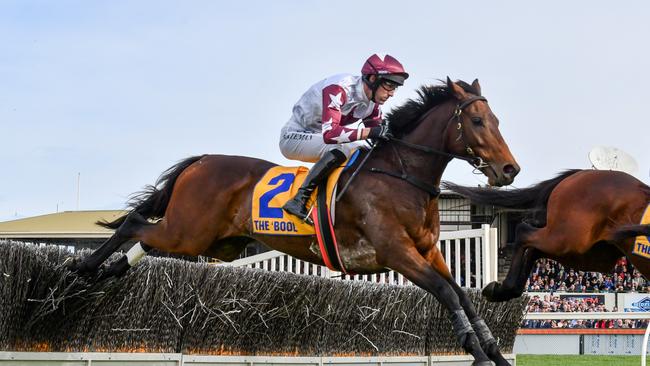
384	67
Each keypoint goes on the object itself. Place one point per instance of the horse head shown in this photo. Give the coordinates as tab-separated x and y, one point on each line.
454	120
473	132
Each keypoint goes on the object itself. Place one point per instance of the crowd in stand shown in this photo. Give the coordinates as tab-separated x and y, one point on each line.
550	276
556	303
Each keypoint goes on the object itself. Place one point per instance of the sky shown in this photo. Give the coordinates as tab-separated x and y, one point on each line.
98	98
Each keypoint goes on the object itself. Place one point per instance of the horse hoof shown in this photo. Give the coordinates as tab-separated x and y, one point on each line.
77	266
489	291
73	265
495	355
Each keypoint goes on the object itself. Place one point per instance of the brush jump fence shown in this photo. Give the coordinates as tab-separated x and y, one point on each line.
469	254
170	311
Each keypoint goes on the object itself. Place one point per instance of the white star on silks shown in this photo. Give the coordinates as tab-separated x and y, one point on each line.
327	125
343	137
335	101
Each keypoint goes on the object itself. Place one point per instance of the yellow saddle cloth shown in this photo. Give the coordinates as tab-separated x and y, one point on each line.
278	185
641	243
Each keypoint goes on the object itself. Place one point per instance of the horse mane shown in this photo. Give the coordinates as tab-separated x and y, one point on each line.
404	118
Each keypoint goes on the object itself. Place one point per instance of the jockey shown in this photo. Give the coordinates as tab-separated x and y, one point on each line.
319	130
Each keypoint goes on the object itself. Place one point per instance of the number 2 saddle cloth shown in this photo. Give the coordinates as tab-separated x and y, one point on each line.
277	186
642	242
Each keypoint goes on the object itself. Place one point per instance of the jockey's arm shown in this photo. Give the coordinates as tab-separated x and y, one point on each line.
334	97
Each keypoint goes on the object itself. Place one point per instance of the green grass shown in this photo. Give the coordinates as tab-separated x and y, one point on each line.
577	360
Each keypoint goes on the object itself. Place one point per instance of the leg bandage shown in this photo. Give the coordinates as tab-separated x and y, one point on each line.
134	254
483	332
462	326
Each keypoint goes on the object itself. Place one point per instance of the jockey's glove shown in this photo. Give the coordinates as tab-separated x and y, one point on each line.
380	132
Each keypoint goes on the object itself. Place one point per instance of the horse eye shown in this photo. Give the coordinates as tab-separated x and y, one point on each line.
477	121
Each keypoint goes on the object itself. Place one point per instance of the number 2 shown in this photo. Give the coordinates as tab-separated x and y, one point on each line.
275	212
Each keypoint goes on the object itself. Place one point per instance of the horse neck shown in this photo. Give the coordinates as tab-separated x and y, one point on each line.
432	133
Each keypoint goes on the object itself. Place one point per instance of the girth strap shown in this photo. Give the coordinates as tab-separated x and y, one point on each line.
429	188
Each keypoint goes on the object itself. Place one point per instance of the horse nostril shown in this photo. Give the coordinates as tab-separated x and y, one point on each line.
509	169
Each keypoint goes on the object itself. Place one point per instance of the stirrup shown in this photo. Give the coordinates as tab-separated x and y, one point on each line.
308	218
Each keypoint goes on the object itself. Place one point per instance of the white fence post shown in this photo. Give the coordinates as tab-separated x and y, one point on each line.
494	254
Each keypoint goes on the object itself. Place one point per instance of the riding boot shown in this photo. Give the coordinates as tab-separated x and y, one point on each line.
297	206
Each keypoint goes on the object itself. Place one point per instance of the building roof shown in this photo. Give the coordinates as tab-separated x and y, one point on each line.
67	224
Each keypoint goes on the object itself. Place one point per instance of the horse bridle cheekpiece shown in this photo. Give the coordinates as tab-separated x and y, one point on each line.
477	162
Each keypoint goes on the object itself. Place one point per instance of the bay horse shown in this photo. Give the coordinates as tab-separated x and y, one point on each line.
584	219
383	221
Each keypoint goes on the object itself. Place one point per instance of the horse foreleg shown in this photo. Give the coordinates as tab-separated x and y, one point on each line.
417	270
486	339
523	260
124	233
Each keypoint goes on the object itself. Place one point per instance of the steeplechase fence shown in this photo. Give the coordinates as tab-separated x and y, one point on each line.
172	306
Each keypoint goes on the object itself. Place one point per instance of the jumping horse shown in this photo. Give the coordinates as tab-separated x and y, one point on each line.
584	219
387	218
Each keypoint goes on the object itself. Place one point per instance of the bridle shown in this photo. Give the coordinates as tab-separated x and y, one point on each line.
476	161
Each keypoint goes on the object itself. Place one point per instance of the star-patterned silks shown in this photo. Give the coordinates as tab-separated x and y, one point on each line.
332	104
343	137
336	101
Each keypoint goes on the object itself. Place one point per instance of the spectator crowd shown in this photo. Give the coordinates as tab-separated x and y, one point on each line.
549	276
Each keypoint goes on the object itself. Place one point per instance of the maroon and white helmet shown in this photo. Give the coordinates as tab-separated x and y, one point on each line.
386	67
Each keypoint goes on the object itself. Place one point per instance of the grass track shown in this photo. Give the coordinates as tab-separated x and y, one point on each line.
577	360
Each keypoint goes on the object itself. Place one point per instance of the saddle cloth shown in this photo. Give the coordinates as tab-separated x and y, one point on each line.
642	243
278	185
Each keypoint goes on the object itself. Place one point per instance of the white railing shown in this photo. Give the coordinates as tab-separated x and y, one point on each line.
477	245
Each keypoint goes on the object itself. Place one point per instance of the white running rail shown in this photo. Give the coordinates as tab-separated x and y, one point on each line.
477	245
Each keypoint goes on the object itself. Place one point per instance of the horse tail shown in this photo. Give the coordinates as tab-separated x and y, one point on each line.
630	231
534	197
152	201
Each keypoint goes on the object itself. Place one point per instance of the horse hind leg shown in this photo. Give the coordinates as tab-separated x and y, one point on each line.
523	259
227	249
123	234
128	260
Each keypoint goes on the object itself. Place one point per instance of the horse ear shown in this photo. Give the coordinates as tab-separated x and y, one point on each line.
476	86
456	90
